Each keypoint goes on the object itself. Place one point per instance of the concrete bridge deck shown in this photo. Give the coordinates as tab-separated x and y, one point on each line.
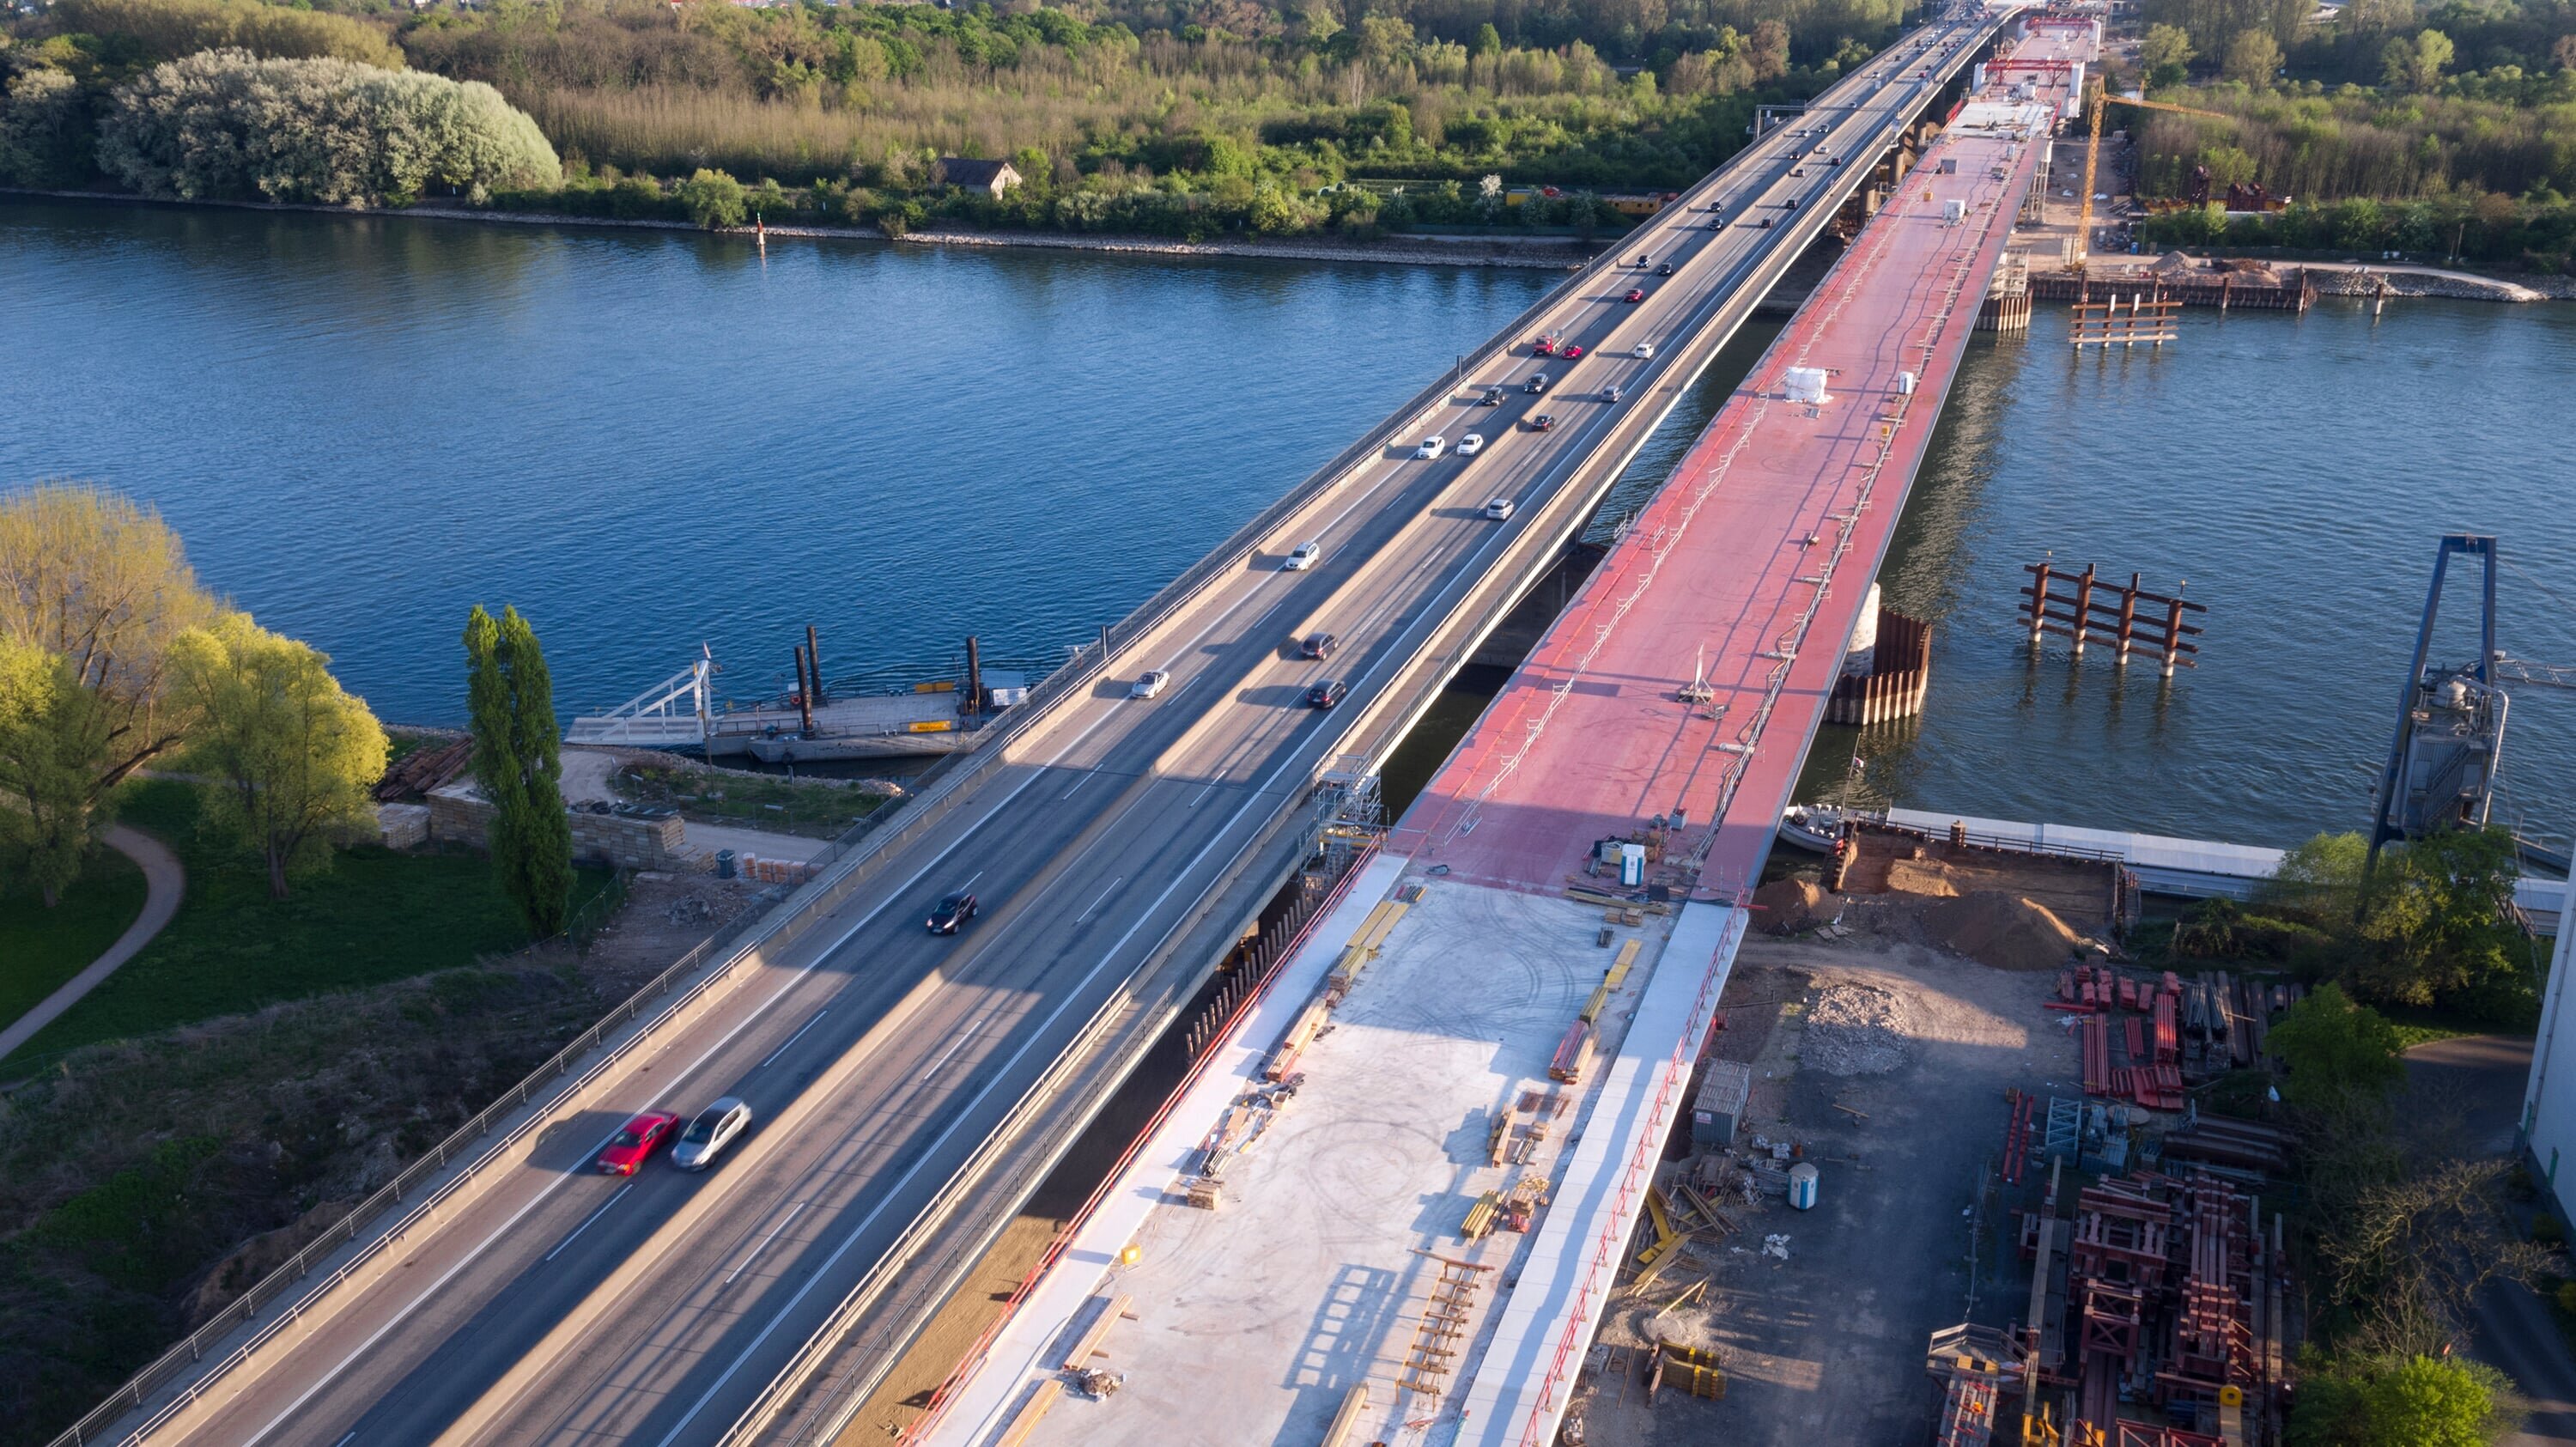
910	1089
1333	1242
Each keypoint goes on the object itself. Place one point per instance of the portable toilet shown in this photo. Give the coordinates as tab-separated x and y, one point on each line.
1953	212
1802	1185
1632	865
1905	384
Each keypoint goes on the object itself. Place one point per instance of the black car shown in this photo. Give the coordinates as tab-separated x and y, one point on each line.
1664	270
1327	693
954	910
1541	422
1319	645
1536	384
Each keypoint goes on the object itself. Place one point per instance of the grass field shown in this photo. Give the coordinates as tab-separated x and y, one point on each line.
40	948
375	916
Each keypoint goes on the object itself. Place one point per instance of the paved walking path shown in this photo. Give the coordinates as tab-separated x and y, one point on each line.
164	881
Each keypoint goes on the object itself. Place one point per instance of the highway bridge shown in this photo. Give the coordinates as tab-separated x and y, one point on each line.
910	1088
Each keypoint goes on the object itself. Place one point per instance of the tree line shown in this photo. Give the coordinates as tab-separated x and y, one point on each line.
115	659
1119	116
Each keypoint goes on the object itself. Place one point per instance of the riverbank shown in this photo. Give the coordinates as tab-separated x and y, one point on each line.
1539	253
2373	278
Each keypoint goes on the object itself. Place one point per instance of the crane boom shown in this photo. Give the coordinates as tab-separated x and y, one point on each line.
2093	153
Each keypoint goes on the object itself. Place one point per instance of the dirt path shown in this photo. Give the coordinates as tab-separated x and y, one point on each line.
164	882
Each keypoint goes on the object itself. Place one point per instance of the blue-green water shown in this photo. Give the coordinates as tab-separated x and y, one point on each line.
649	440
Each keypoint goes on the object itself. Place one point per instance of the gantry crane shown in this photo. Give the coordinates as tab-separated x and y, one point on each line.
2093	154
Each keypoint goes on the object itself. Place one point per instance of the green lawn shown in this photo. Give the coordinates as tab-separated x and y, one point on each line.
377	915
40	948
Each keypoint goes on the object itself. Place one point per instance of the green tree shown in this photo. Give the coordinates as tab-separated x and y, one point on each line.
53	738
2253	58
1489	41
1384	40
152	31
519	766
45	129
2321	879
712	199
2417	1401
2416	64
2438	925
285	754
224	123
2338	1052
96	589
2167	54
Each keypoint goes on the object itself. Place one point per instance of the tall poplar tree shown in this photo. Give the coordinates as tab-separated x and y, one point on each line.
518	763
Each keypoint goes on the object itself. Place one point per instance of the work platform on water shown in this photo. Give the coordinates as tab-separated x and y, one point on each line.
1486	1043
813	723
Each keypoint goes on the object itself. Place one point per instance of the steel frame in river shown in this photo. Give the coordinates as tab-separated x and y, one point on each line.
910	1088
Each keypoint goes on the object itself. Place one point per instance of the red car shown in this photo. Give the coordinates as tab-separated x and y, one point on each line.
1571	352
634	1141
1636	293
1543	347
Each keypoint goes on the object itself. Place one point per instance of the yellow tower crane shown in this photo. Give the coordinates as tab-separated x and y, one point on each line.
2093	156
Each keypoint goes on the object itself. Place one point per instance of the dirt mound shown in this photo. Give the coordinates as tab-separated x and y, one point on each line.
1856	1030
1928	877
2007	931
1786	906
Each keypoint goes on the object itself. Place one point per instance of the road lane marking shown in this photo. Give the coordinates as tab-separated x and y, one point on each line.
953	1047
1085	916
764	1244
585	1225
1087	777
414	1304
792	1039
345	1441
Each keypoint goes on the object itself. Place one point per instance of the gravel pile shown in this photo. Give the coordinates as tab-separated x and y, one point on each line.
1855	1030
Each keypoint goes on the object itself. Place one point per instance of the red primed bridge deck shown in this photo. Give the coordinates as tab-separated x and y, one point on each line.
1749	567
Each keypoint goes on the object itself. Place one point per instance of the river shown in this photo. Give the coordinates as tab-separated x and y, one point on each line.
649	440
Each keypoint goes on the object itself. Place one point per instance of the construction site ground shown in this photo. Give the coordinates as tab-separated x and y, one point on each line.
1901	1107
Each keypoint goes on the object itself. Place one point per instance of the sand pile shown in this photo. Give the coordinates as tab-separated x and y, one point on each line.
1855	1030
2007	931
1786	906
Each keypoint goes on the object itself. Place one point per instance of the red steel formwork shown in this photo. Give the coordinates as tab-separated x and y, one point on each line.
1747	570
2167	1279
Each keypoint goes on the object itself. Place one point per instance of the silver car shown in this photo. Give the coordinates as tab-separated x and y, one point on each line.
713	1130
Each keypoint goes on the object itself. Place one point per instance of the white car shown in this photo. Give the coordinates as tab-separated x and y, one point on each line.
1303	557
713	1130
1499	509
1150	684
1431	447
1610	394
1645	351
1471	444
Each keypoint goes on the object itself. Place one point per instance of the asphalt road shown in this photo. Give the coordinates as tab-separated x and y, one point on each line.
559	1305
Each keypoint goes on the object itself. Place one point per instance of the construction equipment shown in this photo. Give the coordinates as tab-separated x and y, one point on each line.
2450	722
2093	156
